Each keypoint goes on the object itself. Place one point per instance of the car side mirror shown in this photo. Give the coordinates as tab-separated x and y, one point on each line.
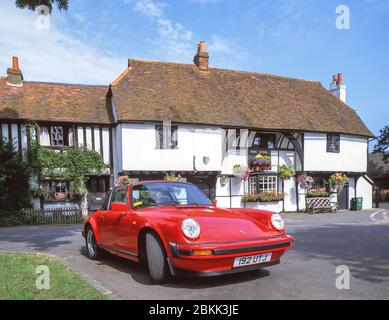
119	206
214	203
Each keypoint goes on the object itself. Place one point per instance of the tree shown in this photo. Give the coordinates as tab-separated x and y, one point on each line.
382	145
33	4
14	179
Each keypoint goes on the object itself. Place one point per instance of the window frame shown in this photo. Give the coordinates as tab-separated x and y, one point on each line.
52	138
168	143
114	192
265	180
333	143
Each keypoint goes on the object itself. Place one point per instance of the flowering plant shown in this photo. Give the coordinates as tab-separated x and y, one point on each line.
263	197
172	177
286	171
261	163
337	179
318	193
305	181
60	196
124	181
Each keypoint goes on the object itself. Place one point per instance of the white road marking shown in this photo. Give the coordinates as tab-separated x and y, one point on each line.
372	216
385	215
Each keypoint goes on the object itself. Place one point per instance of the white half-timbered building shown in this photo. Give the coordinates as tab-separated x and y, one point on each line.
199	122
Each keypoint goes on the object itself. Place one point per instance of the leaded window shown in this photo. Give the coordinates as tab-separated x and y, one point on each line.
166	137
57	136
333	143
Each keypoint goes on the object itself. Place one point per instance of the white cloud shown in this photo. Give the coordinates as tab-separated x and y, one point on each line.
53	54
148	8
174	41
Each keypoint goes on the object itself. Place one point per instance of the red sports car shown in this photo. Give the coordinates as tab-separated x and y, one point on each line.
176	230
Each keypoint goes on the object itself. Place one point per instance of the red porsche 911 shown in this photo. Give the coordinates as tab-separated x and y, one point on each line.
176	230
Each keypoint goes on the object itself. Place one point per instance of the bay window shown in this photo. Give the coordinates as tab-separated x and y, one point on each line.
262	183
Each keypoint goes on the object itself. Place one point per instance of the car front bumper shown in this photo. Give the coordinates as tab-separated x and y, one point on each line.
183	262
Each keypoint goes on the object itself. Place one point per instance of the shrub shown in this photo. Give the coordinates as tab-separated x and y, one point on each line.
14	179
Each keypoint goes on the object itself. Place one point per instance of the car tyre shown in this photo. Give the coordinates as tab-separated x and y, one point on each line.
156	259
92	249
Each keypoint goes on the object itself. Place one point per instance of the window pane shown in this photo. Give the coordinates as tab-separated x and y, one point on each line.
57	136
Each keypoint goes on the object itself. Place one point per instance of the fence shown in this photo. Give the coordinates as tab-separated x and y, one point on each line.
40	216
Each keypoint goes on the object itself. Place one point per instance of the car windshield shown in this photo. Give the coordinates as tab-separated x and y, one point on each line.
151	194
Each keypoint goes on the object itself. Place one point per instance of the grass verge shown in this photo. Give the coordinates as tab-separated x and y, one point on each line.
18	276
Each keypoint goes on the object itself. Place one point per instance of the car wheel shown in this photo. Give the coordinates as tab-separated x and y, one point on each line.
92	250
156	259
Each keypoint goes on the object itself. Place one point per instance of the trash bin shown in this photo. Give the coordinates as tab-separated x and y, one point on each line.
356	204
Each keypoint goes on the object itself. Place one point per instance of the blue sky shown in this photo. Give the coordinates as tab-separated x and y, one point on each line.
93	40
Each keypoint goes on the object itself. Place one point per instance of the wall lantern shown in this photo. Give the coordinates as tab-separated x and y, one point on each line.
206	160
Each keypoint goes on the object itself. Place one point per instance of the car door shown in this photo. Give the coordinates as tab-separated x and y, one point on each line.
101	219
118	222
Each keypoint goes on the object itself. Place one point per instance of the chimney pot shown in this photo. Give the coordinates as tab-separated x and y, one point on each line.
340	78
202	46
15	63
334	78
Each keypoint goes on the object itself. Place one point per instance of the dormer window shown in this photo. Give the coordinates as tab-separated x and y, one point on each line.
333	143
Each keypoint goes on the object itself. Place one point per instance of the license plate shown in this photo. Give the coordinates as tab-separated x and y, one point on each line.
250	260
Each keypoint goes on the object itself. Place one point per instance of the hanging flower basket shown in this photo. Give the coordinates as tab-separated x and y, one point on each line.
241	171
286	171
124	181
337	181
305	181
261	163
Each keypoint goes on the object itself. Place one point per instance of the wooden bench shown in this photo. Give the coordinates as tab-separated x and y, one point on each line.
320	205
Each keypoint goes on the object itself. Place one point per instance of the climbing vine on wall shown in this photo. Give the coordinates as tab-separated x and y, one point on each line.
72	163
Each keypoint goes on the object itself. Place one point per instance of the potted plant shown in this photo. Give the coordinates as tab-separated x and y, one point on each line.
261	163
318	193
241	171
337	180
40	192
305	181
173	177
286	171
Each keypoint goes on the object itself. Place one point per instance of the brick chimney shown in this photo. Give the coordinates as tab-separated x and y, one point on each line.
337	88
201	59
15	75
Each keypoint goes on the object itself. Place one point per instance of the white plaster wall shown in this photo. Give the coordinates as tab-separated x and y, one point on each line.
139	151
352	156
365	190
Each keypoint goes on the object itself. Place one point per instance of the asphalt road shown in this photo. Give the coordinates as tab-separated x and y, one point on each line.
308	271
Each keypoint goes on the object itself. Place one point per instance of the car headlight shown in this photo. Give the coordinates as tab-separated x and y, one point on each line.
277	221
190	228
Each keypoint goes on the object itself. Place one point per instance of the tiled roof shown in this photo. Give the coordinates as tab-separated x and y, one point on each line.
160	91
55	102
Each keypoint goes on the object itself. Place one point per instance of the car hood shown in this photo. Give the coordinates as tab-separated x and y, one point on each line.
222	225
